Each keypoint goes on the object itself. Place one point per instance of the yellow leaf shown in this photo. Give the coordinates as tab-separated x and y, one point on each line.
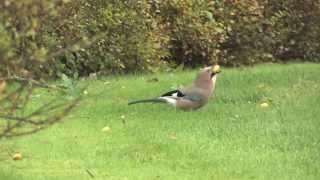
2	86
17	156
106	129
172	136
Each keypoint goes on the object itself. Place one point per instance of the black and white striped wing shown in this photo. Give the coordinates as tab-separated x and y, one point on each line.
174	93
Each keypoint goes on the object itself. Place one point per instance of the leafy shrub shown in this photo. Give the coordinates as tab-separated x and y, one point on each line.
263	30
195	35
51	38
295	27
244	24
22	46
128	39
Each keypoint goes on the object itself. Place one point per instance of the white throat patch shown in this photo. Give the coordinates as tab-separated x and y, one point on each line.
214	77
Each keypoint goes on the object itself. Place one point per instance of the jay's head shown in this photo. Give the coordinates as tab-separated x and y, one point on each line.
207	74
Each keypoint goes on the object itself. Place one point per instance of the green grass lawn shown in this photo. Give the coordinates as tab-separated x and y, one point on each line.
230	138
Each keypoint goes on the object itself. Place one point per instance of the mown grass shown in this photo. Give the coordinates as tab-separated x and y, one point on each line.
231	138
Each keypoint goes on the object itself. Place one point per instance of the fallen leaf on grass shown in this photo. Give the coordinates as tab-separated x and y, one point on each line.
106	129
2	86
17	156
172	136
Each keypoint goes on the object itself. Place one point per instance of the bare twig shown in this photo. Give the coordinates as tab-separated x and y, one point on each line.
90	173
14	103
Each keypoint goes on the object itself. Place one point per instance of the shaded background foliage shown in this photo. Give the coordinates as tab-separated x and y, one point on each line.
48	38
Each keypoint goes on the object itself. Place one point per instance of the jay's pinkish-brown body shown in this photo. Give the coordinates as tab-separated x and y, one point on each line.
192	97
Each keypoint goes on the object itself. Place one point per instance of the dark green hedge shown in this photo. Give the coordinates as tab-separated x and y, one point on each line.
47	38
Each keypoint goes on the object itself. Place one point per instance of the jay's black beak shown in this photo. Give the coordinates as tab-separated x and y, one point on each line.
214	73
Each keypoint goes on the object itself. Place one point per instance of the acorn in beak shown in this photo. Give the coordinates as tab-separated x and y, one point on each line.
215	70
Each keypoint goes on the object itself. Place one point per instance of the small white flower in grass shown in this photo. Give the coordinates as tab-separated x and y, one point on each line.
264	105
123	119
106	129
85	92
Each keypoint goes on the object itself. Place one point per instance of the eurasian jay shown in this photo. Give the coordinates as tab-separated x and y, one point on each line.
192	97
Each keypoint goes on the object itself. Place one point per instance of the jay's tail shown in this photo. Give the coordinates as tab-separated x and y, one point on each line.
155	100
